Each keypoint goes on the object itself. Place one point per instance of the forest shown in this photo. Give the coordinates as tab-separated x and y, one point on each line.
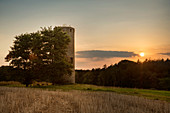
150	74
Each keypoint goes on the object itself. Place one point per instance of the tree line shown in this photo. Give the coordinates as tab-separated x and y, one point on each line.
148	74
40	56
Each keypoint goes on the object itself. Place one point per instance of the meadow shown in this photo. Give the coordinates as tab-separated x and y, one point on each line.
65	100
146	93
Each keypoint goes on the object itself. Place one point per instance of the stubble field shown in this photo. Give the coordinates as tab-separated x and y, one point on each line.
27	100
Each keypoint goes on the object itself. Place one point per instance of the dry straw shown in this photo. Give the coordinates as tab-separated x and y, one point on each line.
25	100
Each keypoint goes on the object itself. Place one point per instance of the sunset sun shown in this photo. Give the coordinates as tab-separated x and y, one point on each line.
142	54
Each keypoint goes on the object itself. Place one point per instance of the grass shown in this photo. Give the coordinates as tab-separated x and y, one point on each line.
147	93
10	83
33	100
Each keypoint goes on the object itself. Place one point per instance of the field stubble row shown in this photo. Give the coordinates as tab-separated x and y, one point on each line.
26	100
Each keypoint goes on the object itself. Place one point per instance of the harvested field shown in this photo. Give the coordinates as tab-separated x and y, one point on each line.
25	100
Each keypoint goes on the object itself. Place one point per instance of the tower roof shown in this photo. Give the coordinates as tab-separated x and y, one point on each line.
65	26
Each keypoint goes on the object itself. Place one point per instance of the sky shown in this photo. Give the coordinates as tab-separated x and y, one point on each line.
107	31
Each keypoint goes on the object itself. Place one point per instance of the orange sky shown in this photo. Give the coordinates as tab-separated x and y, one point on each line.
104	25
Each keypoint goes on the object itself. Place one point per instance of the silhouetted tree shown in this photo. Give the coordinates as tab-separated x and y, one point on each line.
42	55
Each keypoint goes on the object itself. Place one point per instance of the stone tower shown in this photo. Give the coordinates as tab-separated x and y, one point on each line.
70	53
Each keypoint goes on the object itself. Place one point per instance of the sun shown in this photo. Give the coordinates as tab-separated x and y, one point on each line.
142	54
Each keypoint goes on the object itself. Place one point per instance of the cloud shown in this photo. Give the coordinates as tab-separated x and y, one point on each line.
104	54
165	54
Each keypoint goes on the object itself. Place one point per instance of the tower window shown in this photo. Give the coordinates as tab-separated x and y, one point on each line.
70	30
71	59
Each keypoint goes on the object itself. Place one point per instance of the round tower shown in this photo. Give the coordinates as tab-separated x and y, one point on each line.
70	31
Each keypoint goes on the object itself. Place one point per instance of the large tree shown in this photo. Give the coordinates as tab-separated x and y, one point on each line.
41	54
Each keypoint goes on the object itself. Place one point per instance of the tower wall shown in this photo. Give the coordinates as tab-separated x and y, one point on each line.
71	50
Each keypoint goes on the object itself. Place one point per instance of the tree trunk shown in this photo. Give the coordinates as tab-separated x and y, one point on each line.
27	85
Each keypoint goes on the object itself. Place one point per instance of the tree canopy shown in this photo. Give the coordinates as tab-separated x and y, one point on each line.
43	54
